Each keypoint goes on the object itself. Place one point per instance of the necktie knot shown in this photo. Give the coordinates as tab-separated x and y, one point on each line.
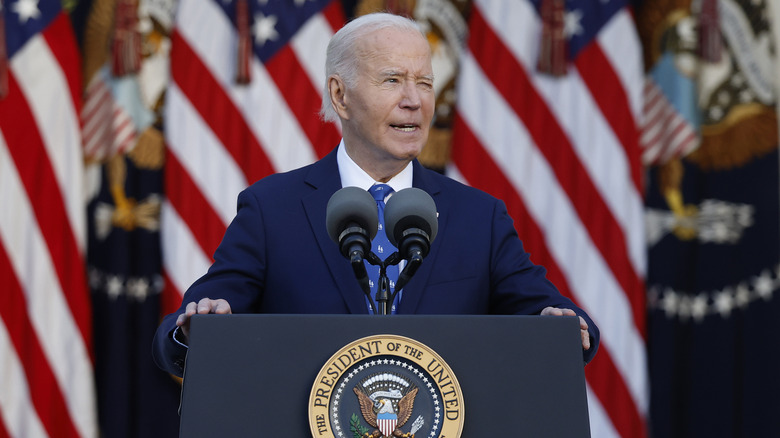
380	192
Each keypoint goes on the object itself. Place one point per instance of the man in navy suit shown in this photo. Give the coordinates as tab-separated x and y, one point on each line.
277	257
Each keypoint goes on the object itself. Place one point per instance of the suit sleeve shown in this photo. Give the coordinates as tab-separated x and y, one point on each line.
237	276
519	286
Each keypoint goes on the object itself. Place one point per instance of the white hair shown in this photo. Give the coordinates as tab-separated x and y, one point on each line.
341	58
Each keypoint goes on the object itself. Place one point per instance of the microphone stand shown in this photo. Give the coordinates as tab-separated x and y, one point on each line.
383	298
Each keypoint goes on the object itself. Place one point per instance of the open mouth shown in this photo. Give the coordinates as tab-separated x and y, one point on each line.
405	127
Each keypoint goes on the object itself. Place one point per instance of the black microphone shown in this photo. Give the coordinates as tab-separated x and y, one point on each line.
351	217
411	224
352	222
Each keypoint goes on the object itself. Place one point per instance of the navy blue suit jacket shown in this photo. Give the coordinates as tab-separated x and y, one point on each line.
277	257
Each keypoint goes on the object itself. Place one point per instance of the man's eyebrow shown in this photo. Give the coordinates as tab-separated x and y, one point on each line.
387	73
394	73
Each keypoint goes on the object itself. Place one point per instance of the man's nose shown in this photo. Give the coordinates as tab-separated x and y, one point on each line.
411	98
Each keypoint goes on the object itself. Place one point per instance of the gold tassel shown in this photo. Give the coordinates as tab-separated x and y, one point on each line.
126	48
552	50
710	44
244	57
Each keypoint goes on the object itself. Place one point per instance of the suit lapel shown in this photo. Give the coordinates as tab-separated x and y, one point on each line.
324	178
416	287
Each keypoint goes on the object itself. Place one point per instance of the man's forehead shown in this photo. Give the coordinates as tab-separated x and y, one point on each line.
393	39
394	55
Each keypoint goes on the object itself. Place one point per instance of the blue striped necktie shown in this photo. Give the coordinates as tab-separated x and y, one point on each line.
381	246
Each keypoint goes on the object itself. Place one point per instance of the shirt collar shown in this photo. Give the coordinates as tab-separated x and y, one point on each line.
352	175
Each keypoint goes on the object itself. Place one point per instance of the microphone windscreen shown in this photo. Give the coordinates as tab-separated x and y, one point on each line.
410	208
351	205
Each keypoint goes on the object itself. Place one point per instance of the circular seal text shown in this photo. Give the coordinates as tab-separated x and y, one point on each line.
385	386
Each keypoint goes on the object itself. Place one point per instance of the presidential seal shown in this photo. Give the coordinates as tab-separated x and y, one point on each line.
386	386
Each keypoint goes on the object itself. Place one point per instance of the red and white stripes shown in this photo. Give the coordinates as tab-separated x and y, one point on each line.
46	370
563	153
107	129
222	136
665	133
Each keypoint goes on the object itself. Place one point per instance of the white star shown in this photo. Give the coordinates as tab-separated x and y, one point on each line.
158	284
699	307
669	303
716	112
138	288
745	95
720	232
299	3
743	296
571	23
265	29
26	9
724	303
114	286
95	277
763	285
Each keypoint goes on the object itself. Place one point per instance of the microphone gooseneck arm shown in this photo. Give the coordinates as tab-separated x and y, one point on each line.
353	243
383	298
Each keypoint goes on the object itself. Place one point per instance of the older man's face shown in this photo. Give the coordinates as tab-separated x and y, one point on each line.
390	109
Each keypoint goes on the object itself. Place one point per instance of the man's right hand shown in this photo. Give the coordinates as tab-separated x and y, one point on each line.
202	307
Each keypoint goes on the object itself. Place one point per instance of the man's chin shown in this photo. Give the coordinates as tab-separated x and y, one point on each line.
408	151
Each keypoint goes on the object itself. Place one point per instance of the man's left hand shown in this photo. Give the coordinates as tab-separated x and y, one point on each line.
554	311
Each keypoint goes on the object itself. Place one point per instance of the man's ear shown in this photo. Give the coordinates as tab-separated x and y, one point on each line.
337	91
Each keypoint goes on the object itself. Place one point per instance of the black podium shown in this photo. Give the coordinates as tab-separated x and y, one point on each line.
252	375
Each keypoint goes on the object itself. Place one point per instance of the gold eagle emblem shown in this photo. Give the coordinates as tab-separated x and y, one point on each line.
371	409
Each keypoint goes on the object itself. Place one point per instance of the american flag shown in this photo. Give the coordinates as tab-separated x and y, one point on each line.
46	366
223	135
563	153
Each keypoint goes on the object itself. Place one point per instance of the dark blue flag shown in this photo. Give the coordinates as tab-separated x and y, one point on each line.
713	221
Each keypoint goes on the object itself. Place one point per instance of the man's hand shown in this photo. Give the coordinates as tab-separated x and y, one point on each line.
554	311
202	307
